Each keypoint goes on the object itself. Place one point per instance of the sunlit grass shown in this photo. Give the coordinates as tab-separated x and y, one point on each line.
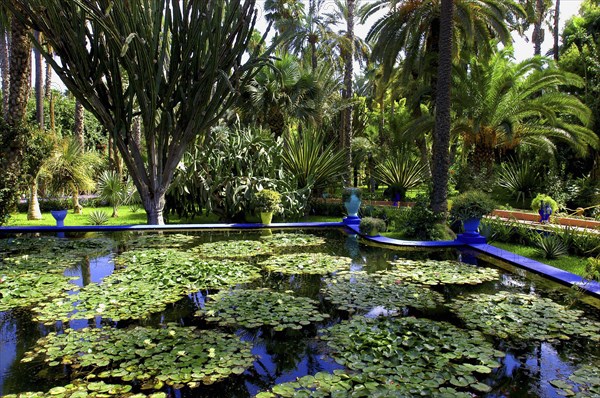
129	217
573	264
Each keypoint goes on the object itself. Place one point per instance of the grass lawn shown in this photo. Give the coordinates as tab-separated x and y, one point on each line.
127	217
572	264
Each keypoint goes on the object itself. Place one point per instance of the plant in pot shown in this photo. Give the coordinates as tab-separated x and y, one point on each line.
351	198
469	207
267	203
372	226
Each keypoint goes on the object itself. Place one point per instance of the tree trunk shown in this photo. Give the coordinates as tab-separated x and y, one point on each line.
48	83
555	30
137	132
77	208
154	206
33	209
538	31
39	85
115	213
78	128
20	72
441	133
4	69
346	136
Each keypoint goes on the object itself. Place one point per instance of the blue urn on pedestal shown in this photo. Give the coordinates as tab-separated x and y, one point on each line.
351	198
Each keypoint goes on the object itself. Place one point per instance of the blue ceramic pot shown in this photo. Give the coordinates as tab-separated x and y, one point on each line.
352	205
471	226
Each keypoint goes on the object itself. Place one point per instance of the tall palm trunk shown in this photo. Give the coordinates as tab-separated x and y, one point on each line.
33	209
346	131
39	85
441	133
48	81
12	147
20	72
555	29
538	31
4	69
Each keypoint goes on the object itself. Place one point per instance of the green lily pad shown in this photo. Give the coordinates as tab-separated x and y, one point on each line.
524	317
147	281
81	389
234	249
306	263
393	351
290	240
250	308
150	354
434	272
359	291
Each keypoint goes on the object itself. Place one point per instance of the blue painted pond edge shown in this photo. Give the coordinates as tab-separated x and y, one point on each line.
558	275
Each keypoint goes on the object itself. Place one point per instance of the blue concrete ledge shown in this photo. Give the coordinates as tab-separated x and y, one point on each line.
407	243
558	275
564	277
171	227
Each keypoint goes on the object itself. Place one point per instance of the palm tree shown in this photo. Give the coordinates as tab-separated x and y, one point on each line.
115	190
411	29
503	104
4	61
441	133
281	91
71	170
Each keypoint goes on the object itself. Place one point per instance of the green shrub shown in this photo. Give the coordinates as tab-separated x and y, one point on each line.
372	226
519	179
471	204
550	246
98	217
537	201
420	222
325	208
267	201
400	172
496	229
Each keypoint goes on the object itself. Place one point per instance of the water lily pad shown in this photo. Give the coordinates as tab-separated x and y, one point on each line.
234	249
263	307
81	389
290	239
434	272
524	317
50	247
28	280
148	354
146	282
412	353
359	291
306	263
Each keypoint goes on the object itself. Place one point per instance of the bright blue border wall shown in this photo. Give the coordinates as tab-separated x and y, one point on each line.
564	277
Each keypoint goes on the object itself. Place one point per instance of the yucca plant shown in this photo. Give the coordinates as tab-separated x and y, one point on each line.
312	163
550	246
518	179
98	217
496	230
115	190
401	172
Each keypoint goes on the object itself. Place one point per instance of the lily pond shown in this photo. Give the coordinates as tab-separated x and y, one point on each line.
314	313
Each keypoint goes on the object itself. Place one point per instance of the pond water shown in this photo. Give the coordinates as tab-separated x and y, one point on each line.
312	313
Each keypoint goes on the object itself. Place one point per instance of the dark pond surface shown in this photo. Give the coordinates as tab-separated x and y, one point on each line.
527	370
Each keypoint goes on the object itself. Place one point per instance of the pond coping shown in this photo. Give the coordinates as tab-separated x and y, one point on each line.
556	274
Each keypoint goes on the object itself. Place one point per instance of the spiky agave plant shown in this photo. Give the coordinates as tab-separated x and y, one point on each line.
401	172
550	246
314	164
